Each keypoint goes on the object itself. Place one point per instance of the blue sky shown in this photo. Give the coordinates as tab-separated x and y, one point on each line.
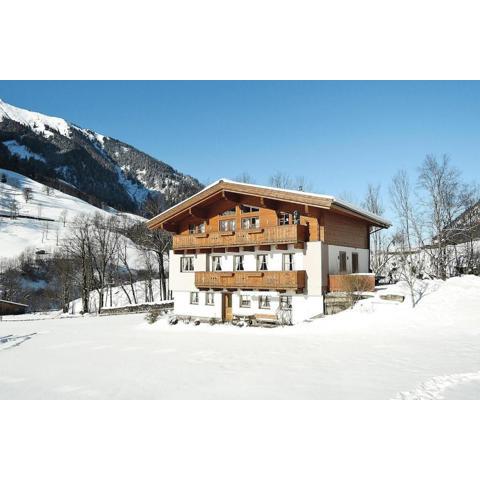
340	135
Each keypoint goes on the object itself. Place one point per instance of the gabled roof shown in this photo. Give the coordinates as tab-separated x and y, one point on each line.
326	202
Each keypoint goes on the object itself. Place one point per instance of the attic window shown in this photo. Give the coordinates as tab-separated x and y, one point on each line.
284	218
248	209
230	211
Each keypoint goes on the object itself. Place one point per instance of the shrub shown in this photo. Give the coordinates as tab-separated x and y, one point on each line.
152	316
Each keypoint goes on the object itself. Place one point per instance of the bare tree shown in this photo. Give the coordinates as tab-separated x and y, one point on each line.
441	201
63	217
27	194
159	242
281	180
103	249
410	264
380	242
47	190
13	207
244	177
77	247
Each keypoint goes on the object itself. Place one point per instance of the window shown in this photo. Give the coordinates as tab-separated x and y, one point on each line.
285	302
194	298
354	262
283	218
238	263
230	211
262	262
191	228
264	301
201	228
287	262
245	301
216	266
343	262
227	225
251	222
209	298
248	209
186	264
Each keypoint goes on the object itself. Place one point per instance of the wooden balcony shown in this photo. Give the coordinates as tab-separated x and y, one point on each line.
255	280
281	234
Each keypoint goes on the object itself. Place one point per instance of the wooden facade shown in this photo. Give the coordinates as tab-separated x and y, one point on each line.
12	308
275	235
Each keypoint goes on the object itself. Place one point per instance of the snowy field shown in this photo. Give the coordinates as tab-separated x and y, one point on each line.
379	350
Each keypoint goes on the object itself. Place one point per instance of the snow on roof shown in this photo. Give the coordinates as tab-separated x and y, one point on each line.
36	121
341	203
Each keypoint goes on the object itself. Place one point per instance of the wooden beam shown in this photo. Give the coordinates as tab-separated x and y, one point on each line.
282	246
233	197
233	249
264	247
249	248
268	203
299	245
198	212
218	250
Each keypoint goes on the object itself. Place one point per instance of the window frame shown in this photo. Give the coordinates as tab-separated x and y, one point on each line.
249	222
248	301
192	296
235	268
251	209
259	264
282	216
209	295
289	302
230	223
229	213
213	259
291	262
182	265
266	305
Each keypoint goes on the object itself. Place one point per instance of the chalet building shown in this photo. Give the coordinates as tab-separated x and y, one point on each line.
12	308
247	250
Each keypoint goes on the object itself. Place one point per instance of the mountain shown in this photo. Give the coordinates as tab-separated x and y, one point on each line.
96	168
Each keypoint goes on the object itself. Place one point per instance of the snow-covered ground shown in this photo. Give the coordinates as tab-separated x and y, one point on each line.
378	350
18	234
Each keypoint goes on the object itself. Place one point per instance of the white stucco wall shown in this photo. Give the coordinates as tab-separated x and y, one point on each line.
334	260
312	262
185	281
182	305
303	306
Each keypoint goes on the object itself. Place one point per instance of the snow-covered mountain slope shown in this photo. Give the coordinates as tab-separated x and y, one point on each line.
104	169
52	211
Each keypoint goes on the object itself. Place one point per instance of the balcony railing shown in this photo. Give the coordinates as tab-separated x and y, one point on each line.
280	234
256	280
356	282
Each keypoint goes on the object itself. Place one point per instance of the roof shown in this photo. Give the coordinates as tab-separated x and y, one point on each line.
274	193
13	303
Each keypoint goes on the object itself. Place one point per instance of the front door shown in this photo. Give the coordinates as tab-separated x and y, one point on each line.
227	307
